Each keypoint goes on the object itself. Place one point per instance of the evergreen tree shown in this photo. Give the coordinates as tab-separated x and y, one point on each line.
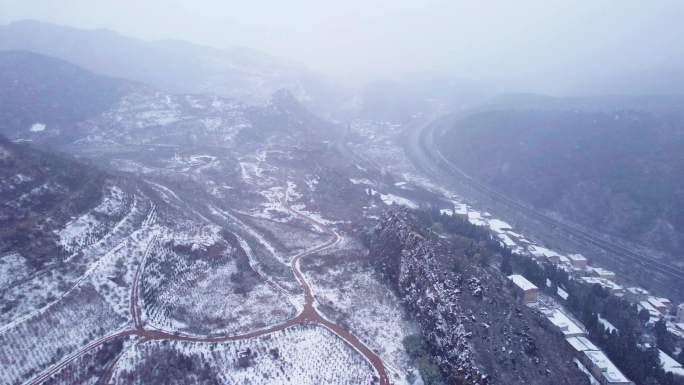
663	337
506	266
644	316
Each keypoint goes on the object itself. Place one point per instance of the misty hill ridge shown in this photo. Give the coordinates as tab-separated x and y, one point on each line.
659	104
617	172
40	89
54	102
41	192
171	65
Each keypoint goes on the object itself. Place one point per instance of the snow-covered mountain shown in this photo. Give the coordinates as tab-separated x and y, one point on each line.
50	101
171	65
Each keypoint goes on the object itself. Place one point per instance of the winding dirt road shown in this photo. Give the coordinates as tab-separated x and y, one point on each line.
308	315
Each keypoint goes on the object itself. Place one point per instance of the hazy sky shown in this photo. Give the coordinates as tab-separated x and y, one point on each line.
536	44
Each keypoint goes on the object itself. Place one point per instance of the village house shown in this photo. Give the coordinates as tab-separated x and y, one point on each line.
659	304
670	365
607	284
636	294
568	327
527	291
578	261
543	254
601	273
677	329
597	362
652	311
603	369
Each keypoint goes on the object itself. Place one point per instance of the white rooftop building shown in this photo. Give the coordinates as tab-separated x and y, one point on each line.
636	294
542	253
602	273
659	304
604	369
581	344
670	365
675	329
607	284
568	327
578	261
679	329
606	324
654	313
600	366
527	290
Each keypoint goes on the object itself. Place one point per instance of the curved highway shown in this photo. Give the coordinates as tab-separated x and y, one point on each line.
429	159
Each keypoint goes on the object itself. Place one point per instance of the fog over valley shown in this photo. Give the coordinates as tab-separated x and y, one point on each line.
558	47
306	192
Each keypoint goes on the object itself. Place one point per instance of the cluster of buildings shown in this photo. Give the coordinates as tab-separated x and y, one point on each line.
658	308
586	353
590	356
675	324
670	365
578	267
596	361
524	289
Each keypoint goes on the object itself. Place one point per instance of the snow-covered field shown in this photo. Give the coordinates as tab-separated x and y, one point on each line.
200	294
292	237
256	171
192	163
145	117
13	268
38	127
46	288
89	227
272	208
379	145
296	356
87	369
263	256
349	293
391	199
81	317
114	278
214	267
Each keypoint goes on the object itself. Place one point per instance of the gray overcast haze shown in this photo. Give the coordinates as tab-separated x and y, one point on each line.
539	45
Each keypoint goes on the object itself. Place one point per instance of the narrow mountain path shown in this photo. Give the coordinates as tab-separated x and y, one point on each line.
312	313
135	290
309	315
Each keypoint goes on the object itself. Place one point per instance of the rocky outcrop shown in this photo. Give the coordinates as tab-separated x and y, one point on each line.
476	330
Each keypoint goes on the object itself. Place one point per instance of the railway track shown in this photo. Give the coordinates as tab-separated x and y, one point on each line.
425	146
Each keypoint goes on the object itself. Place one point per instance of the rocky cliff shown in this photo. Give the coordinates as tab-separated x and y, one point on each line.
475	329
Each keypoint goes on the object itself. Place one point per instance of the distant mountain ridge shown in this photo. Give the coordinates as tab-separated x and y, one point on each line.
55	103
40	192
171	65
51	93
660	104
616	171
659	80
